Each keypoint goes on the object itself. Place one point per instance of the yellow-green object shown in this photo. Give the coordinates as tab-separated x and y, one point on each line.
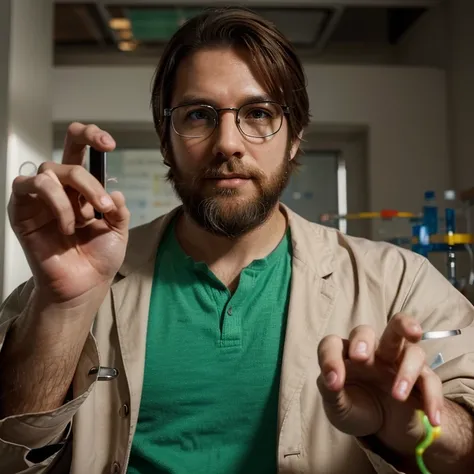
450	239
431	434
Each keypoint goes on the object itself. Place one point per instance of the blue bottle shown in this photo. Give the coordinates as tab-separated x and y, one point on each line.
420	234
430	212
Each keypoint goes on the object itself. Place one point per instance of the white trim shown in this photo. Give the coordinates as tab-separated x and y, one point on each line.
342	193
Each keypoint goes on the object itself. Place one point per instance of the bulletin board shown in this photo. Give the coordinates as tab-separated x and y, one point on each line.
141	176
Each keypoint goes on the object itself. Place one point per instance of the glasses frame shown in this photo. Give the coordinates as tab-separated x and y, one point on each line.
168	113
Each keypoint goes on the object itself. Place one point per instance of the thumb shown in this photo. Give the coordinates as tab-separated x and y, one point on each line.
354	410
337	401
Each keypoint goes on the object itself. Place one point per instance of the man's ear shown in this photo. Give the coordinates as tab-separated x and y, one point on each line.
295	145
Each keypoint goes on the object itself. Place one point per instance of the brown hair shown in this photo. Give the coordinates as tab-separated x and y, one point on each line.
274	57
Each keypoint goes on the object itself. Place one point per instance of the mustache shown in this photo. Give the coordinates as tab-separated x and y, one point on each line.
233	166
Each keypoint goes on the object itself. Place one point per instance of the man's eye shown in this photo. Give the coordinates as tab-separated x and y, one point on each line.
199	114
258	114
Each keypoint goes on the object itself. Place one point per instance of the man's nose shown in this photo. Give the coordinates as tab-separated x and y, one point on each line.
228	141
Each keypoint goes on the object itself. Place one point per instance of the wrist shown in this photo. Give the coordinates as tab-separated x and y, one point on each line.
45	295
455	447
402	430
42	302
45	322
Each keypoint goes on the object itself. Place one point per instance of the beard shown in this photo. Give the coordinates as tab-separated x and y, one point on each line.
228	212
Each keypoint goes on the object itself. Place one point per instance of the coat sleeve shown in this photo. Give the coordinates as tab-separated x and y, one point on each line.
39	442
439	306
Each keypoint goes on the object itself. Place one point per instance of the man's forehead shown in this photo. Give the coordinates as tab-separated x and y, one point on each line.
219	56
219	76
211	99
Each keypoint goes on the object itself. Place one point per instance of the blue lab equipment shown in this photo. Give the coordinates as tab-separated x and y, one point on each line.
430	212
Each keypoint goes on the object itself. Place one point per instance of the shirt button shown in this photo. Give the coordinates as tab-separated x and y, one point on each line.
229	311
115	468
124	410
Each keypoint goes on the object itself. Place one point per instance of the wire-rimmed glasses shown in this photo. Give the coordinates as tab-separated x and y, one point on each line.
255	119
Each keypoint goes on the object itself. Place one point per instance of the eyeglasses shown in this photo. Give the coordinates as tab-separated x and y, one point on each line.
255	120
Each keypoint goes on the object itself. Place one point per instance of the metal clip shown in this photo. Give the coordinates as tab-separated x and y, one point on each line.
105	374
440	334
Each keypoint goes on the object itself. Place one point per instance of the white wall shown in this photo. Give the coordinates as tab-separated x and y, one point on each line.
5	14
461	90
102	94
403	108
29	109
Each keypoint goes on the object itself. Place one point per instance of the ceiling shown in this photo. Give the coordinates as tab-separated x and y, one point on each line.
134	32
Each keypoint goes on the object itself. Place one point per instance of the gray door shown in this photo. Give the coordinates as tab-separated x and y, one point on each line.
313	188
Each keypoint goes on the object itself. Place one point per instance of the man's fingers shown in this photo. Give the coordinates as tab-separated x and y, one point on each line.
119	216
431	389
78	137
52	194
332	351
400	328
362	344
332	354
51	174
59	185
410	368
79	179
83	210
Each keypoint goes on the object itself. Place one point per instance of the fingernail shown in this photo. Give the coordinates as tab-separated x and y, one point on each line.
416	327
106	140
331	378
361	348
402	388
106	201
438	418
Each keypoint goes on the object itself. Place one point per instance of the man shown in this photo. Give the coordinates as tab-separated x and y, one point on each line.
230	336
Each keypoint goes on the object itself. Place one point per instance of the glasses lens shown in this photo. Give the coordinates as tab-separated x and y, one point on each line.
260	120
194	121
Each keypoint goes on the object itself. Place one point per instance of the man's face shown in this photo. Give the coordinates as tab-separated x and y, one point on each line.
229	183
